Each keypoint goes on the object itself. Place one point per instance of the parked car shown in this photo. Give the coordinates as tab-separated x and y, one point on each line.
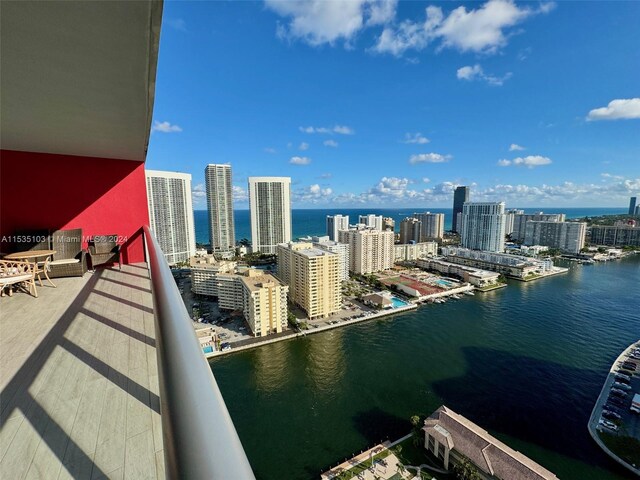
609	415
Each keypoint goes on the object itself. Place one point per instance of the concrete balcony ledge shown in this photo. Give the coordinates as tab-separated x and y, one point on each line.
78	380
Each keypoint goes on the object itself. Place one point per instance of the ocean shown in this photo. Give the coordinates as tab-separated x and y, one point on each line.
313	222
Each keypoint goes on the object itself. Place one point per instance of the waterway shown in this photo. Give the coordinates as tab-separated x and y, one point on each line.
526	362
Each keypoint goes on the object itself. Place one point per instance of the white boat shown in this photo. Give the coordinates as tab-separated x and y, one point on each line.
470	293
455	296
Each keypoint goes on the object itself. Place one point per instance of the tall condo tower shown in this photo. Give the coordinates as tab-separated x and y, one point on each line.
335	223
632	205
482	226
460	196
432	226
171	214
220	207
270	205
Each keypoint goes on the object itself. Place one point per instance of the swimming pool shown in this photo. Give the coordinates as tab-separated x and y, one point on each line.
444	283
397	303
207	349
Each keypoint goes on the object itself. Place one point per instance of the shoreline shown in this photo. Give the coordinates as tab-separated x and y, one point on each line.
597	410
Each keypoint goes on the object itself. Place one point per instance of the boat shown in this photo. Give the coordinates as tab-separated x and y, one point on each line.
470	293
456	296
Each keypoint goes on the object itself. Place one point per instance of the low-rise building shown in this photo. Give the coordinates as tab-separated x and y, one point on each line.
411	252
378	300
452	439
475	276
204	269
515	266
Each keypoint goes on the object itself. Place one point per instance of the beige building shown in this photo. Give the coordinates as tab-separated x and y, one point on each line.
369	250
414	251
432	226
260	296
451	438
204	270
313	276
475	276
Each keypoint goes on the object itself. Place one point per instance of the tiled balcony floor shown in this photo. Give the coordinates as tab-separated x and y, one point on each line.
78	380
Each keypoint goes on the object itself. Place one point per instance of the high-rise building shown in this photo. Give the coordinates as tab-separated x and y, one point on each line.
637	211
388	223
341	249
432	226
520	222
220	207
414	251
171	214
371	221
482	226
313	278
615	236
510	218
270	205
369	250
632	206
335	223
460	196
410	229
566	236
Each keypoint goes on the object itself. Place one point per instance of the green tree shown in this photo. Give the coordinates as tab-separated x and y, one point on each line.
417	422
465	470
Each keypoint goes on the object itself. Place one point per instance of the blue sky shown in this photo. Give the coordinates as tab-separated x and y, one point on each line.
383	104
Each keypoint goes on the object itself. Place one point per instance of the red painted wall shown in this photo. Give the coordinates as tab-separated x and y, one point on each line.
99	195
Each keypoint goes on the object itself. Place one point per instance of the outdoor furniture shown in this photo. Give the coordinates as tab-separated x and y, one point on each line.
17	273
104	249
70	259
39	266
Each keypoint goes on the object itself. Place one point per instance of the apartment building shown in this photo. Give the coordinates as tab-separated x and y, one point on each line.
565	236
219	187
369	250
270	208
482	226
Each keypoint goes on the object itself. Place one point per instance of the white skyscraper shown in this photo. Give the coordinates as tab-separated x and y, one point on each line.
171	214
335	223
483	226
270	205
220	207
371	221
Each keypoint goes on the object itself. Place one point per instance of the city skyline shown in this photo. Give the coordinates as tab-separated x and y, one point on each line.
501	111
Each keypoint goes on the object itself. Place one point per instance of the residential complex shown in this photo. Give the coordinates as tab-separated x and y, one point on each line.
413	251
632	206
460	197
514	266
270	206
204	270
369	250
432	226
616	236
482	226
371	221
260	296
475	276
313	277
565	236
335	223
510	219
520	222
452	438
410	229
220	206
171	214
341	249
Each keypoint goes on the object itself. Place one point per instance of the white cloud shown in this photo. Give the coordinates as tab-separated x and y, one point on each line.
426	180
515	147
300	160
177	24
330	143
303	146
165	127
617	109
482	30
318	21
415	138
429	158
270	150
608	175
530	161
198	193
475	72
240	194
326	175
312	194
340	129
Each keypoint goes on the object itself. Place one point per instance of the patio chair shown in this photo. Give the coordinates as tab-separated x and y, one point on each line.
70	259
17	273
104	249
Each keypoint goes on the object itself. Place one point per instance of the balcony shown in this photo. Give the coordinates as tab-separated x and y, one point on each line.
79	380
